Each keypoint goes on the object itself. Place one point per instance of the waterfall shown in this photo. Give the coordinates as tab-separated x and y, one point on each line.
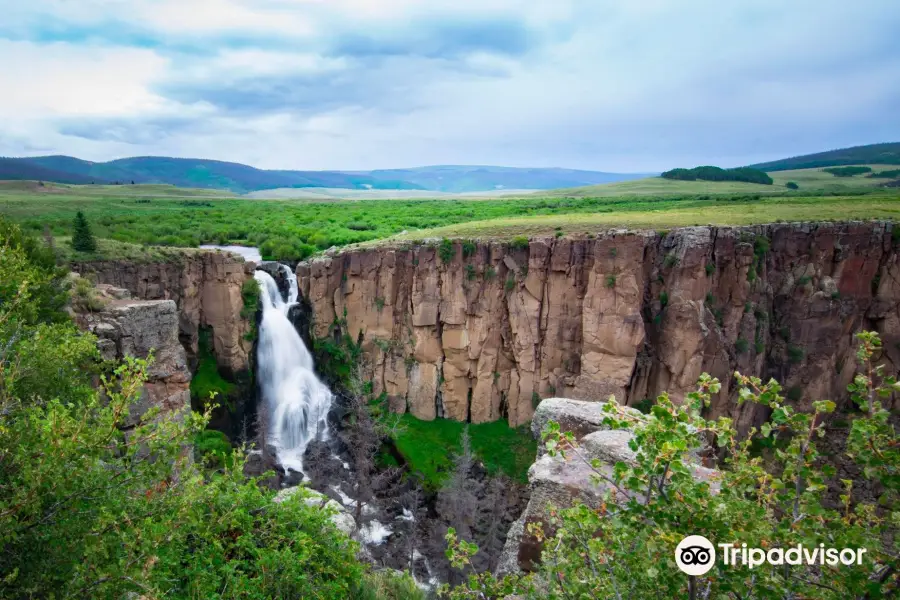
296	402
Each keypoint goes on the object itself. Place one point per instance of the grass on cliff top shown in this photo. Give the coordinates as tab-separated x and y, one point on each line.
724	211
113	250
429	447
295	229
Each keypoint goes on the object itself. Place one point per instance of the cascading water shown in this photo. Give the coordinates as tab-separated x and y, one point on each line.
296	402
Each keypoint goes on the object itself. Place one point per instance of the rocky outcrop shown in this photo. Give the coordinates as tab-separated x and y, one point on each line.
483	330
205	285
555	481
126	327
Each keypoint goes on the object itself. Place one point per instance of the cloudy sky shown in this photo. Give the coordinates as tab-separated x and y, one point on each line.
615	85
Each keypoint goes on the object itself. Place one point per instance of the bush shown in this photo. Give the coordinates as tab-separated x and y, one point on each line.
610	281
591	553
791	185
446	251
519	243
741	345
213	448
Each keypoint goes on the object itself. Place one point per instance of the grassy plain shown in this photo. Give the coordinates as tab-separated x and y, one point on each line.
809	180
131	221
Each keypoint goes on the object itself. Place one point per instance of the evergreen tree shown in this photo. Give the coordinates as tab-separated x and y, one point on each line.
82	238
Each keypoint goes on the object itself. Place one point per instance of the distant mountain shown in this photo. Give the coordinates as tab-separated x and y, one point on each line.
873	154
202	173
19	169
462	179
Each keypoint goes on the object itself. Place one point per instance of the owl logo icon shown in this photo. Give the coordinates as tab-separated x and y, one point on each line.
695	555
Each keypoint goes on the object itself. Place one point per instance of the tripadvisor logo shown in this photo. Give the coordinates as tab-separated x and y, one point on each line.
696	555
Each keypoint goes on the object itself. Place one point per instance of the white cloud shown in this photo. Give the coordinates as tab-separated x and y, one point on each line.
582	83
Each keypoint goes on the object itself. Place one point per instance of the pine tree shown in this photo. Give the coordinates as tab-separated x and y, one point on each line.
82	238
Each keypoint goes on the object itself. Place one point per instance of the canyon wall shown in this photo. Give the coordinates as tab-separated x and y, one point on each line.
137	328
480	331
205	285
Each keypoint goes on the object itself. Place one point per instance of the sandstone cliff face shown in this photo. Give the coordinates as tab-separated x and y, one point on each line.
205	285
129	327
489	332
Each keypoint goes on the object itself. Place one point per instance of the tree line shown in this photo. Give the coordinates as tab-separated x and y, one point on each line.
710	173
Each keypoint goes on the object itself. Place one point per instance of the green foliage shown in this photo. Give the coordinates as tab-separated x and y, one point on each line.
889	174
213	449
847	171
519	243
741	345
446	251
490	273
470	272
468	248
535	399
795	353
804	280
610	281
428	447
791	185
759	345
664	298
510	283
335	361
670	260
250	296
388	585
655	500
886	154
379	303
710	268
82	238
207	384
96	505
84	296
718	174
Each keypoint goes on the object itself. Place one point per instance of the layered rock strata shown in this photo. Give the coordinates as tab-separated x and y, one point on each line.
127	327
480	331
206	287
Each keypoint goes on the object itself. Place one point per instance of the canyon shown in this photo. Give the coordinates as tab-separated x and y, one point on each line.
483	330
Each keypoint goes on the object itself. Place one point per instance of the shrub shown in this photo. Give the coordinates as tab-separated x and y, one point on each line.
490	273
590	553
519	243
446	251
759	346
468	248
213	449
710	268
670	260
510	283
379	303
795	353
791	185
663	298
470	272
741	345
610	281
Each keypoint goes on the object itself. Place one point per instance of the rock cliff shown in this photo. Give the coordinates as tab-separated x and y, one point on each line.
206	287
126	327
480	331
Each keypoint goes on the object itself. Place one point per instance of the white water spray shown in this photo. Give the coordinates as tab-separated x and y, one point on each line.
296	401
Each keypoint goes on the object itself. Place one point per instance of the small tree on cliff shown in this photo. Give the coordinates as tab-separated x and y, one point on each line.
626	547
82	238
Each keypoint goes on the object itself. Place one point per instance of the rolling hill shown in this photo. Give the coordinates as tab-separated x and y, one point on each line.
236	177
15	169
885	154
